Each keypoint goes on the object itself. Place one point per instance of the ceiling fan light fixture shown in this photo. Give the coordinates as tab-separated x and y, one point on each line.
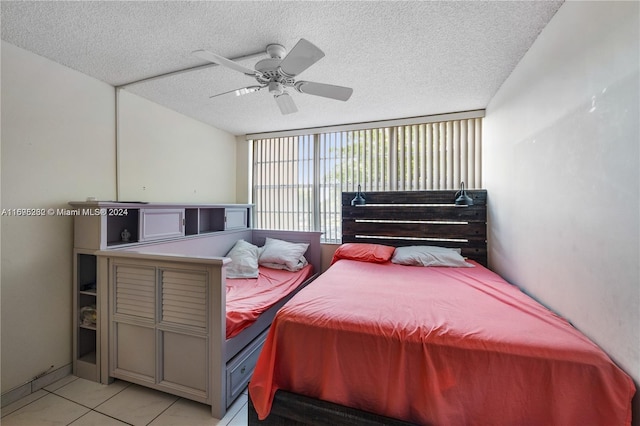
285	103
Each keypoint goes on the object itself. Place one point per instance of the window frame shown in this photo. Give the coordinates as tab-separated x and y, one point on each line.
453	166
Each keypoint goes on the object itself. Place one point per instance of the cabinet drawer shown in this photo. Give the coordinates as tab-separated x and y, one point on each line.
241	367
156	224
236	219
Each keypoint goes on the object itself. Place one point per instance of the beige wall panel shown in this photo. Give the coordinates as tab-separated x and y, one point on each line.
561	165
167	157
57	145
243	170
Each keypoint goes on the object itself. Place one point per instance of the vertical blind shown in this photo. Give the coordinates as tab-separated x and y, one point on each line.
298	180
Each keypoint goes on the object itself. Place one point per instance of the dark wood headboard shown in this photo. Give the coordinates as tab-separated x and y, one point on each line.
403	218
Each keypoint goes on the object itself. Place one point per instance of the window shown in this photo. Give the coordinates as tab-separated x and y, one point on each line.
298	179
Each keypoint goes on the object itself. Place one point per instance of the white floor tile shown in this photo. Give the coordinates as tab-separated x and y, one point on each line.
48	410
186	412
242	417
60	383
137	405
68	402
90	394
93	418
238	404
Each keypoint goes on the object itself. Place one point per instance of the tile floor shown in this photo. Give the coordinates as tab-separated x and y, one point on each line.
79	402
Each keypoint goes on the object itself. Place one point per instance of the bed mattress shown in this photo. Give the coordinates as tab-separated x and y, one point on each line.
437	345
247	298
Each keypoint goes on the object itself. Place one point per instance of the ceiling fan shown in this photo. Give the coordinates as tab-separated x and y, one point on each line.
278	72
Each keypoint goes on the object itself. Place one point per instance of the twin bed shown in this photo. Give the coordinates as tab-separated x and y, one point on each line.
176	323
371	341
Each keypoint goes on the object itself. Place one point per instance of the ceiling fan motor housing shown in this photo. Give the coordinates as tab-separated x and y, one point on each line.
268	72
276	51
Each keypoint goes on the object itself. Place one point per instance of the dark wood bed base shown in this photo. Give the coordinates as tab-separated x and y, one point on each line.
398	219
291	409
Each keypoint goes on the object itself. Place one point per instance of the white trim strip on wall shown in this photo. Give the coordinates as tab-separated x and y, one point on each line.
118	140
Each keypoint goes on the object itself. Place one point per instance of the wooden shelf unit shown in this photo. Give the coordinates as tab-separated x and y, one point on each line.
100	225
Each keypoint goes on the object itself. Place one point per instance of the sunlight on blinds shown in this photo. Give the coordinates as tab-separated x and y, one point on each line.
298	180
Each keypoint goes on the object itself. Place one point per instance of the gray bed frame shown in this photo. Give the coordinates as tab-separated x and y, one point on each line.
167	315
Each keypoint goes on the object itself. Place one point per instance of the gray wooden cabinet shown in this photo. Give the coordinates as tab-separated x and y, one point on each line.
176	328
117	226
166	315
157	224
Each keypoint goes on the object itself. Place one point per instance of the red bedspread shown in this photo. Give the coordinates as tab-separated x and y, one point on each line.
247	298
445	346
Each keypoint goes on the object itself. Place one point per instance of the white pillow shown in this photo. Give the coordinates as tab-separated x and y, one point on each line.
302	262
282	253
429	256
244	260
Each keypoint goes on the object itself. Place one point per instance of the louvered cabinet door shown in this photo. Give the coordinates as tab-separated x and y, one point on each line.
183	331
184	299
159	326
133	349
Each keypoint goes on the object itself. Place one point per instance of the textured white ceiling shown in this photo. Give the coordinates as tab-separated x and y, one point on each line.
403	59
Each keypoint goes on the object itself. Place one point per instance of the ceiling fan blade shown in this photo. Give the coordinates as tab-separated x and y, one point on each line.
221	60
241	91
302	56
340	93
285	103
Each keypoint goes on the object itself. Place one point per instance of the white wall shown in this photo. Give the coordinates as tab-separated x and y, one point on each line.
561	160
243	169
57	146
166	156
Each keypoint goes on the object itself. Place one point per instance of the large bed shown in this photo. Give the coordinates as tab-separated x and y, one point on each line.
178	324
375	342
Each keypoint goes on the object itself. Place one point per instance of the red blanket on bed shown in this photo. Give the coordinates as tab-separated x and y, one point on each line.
445	346
247	298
